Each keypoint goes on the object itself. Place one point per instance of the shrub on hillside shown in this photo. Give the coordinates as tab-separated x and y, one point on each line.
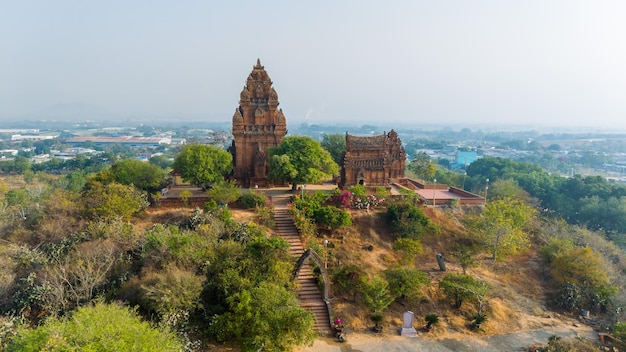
407	220
332	217
253	200
406	283
103	327
582	277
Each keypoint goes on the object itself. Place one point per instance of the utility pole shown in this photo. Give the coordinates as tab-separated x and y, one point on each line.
486	190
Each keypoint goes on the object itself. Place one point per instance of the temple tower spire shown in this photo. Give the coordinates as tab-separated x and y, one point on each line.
258	124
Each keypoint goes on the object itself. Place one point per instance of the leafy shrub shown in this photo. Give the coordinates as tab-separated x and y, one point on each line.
409	249
168	244
431	319
224	192
265	216
582	276
358	191
477	320
254	315
347	279
461	288
210	205
102	327
311	202
306	227
375	293
332	217
253	200
406	282
377	318
407	220
172	291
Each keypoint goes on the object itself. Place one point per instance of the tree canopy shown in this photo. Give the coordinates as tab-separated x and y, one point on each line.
203	164
502	226
102	327
335	144
422	166
113	200
301	159
145	176
462	287
581	274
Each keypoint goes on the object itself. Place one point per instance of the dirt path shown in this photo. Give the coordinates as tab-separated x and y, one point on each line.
515	341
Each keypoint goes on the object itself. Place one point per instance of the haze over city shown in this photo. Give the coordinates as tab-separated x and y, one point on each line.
556	63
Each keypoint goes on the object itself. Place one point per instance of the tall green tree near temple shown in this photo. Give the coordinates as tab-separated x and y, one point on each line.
202	164
335	144
300	159
422	166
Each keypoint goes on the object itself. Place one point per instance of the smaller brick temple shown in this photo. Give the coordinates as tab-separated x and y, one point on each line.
372	161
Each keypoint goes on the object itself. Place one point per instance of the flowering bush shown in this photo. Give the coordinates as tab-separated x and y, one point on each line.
305	226
366	202
343	199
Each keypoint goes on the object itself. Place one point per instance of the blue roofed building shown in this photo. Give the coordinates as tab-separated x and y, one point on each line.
462	159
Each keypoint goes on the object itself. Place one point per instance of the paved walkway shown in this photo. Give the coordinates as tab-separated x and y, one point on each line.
516	341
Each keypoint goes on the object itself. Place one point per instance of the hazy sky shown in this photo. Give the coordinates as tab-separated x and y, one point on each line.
535	62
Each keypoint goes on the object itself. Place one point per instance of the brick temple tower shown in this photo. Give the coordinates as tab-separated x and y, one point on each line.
373	160
258	124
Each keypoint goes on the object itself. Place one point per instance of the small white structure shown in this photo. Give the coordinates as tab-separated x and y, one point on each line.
407	328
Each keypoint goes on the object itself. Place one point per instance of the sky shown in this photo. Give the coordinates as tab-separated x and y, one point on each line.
555	63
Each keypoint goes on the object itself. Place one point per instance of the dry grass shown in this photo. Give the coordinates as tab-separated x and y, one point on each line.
517	298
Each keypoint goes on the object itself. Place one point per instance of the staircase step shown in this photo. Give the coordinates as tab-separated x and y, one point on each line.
308	292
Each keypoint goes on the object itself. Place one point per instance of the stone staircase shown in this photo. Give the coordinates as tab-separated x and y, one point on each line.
309	294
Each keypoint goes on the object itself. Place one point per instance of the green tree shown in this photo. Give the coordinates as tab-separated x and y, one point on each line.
102	327
409	249
22	164
224	192
407	219
348	279
422	166
202	164
267	317
406	283
161	161
502	226
332	217
465	254
507	188
582	276
145	176
375	294
335	144
301	159
461	288
113	200
174	291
